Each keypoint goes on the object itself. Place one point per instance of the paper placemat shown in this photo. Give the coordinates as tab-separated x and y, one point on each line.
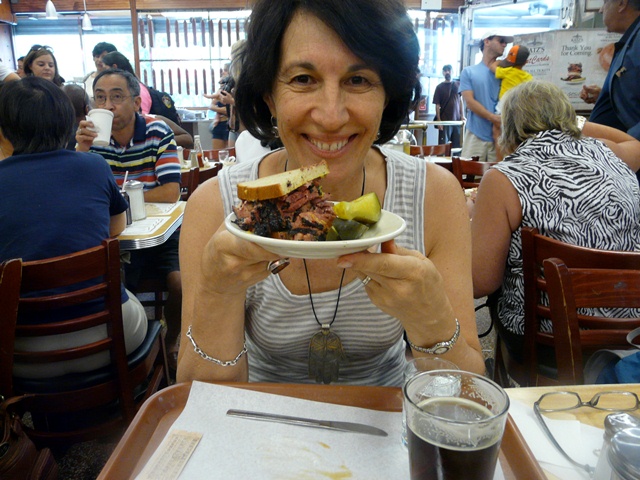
145	226
160	208
236	448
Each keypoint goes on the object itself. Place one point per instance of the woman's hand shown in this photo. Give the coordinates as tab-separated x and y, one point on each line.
230	265
404	284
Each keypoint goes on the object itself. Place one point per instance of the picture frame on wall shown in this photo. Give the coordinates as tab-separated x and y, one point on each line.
593	5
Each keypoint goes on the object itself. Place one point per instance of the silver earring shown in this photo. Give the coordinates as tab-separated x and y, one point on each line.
274	127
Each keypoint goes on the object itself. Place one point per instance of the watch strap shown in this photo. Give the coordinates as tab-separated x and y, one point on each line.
439	348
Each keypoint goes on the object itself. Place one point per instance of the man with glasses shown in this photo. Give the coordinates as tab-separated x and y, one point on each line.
480	89
145	148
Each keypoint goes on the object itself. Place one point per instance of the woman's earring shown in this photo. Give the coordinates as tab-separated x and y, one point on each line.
274	127
378	135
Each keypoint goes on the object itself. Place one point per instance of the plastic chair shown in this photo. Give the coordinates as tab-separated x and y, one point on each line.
466	170
79	406
571	289
536	249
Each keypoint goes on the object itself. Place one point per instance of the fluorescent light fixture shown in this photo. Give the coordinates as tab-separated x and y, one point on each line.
86	22
52	14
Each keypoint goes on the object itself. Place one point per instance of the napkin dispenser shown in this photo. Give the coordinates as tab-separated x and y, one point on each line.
135	190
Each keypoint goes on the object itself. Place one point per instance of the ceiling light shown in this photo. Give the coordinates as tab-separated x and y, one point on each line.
86	22
52	14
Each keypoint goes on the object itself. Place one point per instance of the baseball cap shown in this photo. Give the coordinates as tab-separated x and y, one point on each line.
495	33
517	56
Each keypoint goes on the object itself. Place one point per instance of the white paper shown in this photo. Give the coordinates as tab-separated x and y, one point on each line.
238	448
160	208
580	441
145	226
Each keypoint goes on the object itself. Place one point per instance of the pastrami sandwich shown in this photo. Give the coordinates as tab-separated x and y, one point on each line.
288	205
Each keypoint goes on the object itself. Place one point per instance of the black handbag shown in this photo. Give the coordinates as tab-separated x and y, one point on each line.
19	457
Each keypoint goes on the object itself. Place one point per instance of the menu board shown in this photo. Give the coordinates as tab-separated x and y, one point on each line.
570	59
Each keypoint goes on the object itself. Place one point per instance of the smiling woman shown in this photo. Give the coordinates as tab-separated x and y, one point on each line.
40	62
316	77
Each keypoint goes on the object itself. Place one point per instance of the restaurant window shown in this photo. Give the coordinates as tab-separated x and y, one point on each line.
183	52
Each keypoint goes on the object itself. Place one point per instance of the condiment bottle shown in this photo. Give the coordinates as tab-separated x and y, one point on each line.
125	195
613	423
197	147
624	454
135	190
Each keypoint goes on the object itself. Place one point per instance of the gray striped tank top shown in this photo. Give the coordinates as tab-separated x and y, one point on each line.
279	325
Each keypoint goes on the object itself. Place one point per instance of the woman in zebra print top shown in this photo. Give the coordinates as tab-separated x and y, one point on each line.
570	187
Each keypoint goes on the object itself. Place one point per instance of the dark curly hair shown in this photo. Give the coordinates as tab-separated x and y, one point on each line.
378	31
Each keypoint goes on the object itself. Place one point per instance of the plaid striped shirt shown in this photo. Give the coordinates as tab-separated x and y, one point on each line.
150	157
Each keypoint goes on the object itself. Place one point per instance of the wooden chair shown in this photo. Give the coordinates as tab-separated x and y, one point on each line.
96	403
570	289
442	150
208	173
189	181
536	249
466	170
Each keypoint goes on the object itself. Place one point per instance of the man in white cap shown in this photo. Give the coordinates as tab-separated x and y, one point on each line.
480	90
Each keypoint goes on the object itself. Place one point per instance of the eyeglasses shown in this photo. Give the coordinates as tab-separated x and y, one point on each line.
116	98
612	401
35	48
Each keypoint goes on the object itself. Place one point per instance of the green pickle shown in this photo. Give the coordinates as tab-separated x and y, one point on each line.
354	218
365	209
347	229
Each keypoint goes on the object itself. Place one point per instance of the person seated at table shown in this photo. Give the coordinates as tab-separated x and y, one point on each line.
570	187
56	202
81	106
330	91
40	62
144	147
148	107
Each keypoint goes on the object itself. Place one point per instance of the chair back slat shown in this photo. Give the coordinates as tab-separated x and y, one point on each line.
466	170
189	181
73	394
604	279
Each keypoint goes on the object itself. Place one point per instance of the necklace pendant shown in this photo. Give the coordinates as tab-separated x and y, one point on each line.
325	355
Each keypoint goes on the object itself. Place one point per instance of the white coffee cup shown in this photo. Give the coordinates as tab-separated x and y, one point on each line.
102	120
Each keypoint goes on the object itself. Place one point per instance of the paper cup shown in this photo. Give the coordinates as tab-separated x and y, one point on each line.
102	120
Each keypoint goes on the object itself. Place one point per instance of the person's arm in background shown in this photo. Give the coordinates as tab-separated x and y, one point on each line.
167	171
439	127
496	215
117	223
477	108
181	136
590	93
626	147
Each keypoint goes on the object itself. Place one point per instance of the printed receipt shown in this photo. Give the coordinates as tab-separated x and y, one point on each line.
168	461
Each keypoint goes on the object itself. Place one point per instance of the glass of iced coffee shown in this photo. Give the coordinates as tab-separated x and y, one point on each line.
454	434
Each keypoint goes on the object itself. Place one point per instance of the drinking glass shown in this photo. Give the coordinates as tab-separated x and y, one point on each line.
457	435
223	156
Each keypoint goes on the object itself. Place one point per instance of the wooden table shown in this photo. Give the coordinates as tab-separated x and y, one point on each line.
156	416
155	236
586	415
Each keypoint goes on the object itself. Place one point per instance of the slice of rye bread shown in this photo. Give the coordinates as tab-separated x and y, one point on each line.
280	184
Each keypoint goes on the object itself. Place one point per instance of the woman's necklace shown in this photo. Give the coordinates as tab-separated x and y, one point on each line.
325	348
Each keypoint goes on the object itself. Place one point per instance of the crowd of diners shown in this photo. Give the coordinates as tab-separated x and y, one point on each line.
316	82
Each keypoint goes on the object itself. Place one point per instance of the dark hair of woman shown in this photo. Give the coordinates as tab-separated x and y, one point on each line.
364	27
36	52
36	116
119	60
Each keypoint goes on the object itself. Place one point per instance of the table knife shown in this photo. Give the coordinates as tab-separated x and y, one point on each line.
308	422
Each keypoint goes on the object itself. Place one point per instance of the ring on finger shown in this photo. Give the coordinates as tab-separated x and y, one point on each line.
366	280
276	266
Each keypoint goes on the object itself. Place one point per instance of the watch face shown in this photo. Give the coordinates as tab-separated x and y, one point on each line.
441	350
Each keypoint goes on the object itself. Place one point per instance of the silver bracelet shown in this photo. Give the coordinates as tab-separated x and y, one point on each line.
222	363
440	347
580	121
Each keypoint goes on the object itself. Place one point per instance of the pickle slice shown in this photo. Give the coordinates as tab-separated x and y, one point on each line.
348	229
365	209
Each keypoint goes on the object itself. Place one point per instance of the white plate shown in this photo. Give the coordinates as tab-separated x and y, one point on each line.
389	226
